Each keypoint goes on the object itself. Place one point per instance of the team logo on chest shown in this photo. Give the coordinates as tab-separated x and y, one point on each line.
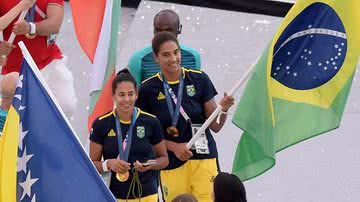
190	90
161	96
165	190
140	131
111	133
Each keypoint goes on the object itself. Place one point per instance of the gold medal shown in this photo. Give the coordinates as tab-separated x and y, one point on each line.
173	131
122	177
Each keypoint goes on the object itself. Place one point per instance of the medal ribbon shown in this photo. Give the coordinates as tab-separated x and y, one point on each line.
124	150
169	94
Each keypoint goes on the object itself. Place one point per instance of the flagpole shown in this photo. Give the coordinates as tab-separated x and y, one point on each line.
1	39
13	35
36	71
38	74
211	118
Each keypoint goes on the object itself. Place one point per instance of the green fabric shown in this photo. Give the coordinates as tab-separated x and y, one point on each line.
142	64
135	63
3	115
294	122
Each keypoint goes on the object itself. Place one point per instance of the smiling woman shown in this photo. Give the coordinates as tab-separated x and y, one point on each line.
182	99
167	55
131	144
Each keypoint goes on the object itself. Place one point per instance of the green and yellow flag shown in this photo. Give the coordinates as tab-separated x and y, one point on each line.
300	84
8	157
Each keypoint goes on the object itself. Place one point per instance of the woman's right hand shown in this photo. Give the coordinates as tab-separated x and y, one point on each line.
118	166
182	152
26	4
5	48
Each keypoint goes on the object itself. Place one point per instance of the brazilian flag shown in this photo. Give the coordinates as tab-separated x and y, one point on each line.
300	85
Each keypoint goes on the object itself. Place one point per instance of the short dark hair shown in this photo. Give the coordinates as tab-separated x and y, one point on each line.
228	188
122	76
161	38
171	13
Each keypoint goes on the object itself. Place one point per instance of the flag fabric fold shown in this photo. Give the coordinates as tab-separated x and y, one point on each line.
300	85
99	42
52	164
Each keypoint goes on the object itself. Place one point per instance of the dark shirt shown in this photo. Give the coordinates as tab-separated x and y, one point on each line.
198	89
147	132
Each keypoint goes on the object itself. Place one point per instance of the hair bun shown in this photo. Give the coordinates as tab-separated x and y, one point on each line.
123	71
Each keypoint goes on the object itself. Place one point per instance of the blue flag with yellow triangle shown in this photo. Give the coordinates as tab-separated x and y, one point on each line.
300	85
51	163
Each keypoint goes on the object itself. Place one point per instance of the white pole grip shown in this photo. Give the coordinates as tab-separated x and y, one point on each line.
218	108
1	39
13	35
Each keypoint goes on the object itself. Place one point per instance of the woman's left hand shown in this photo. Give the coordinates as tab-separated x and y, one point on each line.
21	27
142	168
226	102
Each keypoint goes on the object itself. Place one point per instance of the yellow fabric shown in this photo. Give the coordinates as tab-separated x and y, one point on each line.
194	177
8	157
348	12
151	198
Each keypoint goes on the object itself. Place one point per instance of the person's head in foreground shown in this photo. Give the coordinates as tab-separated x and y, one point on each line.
185	198
167	20
228	188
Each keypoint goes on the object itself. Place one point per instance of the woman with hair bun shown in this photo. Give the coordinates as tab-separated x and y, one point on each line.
131	143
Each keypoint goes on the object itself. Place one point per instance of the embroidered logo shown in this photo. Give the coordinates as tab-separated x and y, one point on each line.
190	90
161	96
140	131
165	191
111	133
212	178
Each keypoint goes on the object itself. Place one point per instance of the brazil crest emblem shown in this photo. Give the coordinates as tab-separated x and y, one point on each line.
140	131
190	90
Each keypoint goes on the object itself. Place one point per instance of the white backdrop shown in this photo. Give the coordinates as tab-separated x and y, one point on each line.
324	168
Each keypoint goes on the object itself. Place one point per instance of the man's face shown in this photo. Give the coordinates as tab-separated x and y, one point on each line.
165	23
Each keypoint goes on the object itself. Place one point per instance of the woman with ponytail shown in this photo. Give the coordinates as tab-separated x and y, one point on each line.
131	143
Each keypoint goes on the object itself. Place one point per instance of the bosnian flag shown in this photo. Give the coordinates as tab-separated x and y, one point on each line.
96	24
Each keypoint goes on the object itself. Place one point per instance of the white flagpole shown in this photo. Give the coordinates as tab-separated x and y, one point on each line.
13	35
1	39
211	118
35	69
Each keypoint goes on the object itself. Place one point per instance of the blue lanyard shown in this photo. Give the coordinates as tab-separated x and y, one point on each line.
124	153
169	94
30	17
